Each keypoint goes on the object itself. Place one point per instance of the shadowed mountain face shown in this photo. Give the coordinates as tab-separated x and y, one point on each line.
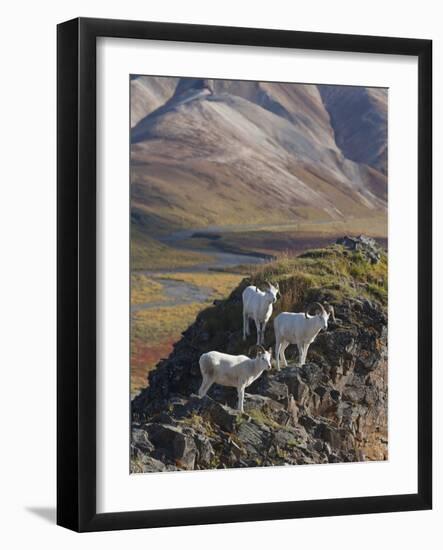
217	152
359	117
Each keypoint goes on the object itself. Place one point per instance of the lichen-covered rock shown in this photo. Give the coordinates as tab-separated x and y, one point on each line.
366	244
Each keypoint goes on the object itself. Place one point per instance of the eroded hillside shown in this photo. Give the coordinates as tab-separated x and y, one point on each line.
226	152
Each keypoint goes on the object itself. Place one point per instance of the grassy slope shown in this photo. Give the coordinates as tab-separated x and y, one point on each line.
144	289
334	271
331	273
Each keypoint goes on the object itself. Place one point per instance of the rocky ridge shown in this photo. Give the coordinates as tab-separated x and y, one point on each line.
333	409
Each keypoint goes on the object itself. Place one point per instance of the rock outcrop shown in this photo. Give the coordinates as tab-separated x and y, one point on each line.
333	409
366	245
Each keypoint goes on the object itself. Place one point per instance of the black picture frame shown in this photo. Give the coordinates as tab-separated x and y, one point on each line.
76	266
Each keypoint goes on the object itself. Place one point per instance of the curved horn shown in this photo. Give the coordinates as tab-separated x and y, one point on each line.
256	349
330	310
317	305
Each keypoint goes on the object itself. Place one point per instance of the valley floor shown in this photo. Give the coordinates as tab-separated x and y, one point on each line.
164	302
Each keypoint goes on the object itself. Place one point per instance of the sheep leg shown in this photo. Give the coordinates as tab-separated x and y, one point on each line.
305	352
277	353
257	326
206	384
300	354
282	351
241	397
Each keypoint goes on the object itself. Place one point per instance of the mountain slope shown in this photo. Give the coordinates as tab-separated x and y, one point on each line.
229	152
301	104
359	118
148	93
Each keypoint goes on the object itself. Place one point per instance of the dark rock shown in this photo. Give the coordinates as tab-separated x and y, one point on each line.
262	407
329	434
354	393
270	386
140	440
255	439
335	395
293	410
308	422
205	450
366	245
339	439
222	415
186	407
291	378
163	418
289	438
143	464
174	443
235	451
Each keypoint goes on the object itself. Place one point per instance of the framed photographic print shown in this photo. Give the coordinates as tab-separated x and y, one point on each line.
244	274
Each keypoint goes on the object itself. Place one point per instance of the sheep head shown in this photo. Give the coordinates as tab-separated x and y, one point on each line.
316	308
256	349
273	290
262	355
320	313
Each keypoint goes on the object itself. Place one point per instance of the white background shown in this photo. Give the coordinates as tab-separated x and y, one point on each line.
117	490
27	304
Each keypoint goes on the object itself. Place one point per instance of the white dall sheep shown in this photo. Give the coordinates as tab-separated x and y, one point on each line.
237	371
300	329
257	305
